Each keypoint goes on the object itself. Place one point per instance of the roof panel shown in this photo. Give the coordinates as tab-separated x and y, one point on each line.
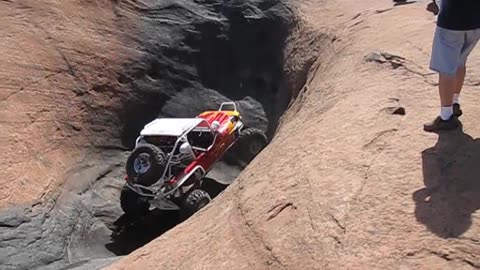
170	126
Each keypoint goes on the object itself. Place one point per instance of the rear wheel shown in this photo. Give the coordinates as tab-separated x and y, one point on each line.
145	164
196	200
133	205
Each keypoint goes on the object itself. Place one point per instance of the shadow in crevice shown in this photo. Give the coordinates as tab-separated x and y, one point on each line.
128	235
244	59
137	112
451	173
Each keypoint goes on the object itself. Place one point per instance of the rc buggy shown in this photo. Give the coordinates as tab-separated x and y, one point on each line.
172	156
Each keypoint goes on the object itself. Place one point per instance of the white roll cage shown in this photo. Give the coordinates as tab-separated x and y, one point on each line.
158	189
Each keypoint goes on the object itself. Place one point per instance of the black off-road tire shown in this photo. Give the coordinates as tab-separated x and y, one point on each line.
196	200
157	162
133	205
250	142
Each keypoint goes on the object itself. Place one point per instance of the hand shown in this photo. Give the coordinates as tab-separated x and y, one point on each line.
432	7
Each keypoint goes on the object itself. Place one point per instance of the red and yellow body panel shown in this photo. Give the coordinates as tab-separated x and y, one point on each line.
225	118
225	139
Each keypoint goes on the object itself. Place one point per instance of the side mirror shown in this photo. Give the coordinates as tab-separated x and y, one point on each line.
215	126
185	148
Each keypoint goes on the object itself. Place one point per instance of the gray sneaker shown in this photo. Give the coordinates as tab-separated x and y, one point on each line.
438	124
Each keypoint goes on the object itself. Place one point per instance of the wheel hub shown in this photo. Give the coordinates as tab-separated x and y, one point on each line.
142	163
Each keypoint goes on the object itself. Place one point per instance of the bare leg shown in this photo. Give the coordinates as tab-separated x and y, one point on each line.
460	79
447	87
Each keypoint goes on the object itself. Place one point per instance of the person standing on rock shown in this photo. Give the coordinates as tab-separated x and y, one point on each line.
456	34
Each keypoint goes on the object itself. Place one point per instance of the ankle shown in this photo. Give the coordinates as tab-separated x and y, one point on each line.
456	98
446	112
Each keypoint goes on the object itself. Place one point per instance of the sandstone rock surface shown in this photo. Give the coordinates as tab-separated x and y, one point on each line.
79	79
345	184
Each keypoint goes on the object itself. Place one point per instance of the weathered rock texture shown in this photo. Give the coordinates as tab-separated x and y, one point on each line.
78	81
84	75
346	184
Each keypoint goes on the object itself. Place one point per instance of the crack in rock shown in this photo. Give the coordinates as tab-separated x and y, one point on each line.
257	235
277	209
342	227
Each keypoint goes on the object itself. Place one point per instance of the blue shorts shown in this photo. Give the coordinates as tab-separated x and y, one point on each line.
451	49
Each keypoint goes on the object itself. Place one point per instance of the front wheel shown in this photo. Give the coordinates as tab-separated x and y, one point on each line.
195	201
250	142
133	205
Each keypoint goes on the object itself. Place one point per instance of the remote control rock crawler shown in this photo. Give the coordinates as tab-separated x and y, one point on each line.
173	155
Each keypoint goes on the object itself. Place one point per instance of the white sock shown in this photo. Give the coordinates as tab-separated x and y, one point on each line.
446	112
456	98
